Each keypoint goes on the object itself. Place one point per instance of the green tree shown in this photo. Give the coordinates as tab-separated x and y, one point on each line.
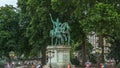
37	29
114	40
102	19
98	16
9	29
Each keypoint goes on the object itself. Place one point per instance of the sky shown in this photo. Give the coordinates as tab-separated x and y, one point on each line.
9	2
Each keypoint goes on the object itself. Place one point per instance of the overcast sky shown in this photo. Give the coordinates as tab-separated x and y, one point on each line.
9	2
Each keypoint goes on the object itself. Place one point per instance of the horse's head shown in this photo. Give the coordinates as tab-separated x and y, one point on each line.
66	25
57	20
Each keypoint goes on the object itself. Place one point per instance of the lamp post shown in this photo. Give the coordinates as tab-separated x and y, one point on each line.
11	54
98	52
50	54
75	55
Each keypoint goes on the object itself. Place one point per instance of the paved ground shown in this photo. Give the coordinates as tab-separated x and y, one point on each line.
25	66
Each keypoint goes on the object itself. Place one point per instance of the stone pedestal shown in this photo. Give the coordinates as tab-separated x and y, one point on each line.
60	56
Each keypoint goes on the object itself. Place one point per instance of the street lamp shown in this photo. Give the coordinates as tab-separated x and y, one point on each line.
11	54
75	54
50	55
98	52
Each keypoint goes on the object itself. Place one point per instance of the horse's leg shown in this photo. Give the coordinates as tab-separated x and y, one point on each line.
56	41
59	41
52	41
65	38
62	40
68	39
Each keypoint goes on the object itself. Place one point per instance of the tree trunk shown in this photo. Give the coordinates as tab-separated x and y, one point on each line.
43	55
83	53
102	46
